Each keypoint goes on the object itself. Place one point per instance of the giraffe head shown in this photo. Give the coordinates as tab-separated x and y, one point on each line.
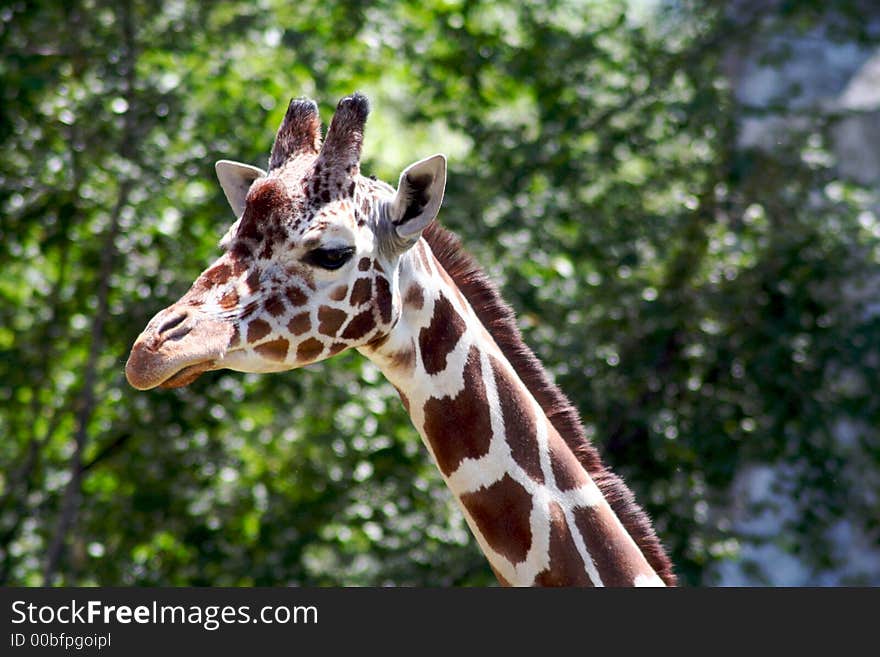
309	267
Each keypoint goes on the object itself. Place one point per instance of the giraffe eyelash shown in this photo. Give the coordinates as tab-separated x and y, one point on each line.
331	259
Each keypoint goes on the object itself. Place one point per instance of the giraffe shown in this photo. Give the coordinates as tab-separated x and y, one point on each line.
321	259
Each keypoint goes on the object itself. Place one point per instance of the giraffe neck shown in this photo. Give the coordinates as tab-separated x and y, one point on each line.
536	513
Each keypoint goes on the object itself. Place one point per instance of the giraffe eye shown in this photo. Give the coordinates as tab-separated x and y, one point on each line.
330	258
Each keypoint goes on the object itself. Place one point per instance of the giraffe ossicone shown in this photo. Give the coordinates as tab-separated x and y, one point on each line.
321	259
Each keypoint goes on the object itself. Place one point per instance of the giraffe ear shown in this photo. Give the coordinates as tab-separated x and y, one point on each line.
419	195
235	179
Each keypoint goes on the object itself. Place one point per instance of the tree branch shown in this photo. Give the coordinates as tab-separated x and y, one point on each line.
106	451
87	401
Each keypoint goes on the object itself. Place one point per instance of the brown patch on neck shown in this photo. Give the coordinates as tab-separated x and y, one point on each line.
501	513
617	559
500	321
567	470
460	427
439	338
566	566
520	428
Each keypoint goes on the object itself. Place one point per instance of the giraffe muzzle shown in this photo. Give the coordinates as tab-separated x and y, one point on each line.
177	346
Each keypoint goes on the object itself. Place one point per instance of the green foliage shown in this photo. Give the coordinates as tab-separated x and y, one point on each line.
699	302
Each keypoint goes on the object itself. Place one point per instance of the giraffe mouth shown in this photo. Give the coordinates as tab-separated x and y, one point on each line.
187	375
146	369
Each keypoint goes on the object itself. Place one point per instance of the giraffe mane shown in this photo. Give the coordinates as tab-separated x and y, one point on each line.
500	320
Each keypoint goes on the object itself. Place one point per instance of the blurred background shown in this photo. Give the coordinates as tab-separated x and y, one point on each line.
679	198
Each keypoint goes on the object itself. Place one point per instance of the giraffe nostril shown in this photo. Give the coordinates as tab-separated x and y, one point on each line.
173	328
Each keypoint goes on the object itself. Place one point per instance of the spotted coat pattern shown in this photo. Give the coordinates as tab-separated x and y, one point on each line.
535	511
272	302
